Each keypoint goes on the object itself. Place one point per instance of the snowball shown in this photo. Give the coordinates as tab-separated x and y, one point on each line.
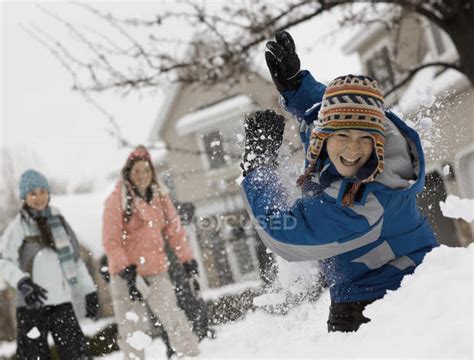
142	260
269	299
426	123
218	61
425	96
34	333
446	170
130	315
456	208
251	156
426	143
410	123
239	179
139	340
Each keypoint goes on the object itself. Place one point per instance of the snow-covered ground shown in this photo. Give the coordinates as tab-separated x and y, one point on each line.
430	316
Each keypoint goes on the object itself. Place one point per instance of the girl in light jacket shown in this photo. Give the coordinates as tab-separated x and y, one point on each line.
138	218
39	256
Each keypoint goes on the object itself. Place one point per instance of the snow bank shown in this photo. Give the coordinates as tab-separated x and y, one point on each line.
430	316
456	208
139	340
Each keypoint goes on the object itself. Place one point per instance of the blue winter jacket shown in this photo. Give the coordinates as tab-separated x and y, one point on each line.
366	249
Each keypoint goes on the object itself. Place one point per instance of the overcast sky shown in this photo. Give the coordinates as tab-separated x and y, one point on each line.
43	119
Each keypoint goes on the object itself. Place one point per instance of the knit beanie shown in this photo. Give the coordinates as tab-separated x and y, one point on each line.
30	180
139	153
350	103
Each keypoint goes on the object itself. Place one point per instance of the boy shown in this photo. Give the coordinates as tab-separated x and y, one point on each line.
358	214
40	258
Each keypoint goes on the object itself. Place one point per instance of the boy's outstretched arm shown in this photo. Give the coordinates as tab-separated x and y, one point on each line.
300	91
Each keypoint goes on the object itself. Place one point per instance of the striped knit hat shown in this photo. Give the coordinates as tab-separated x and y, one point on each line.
350	103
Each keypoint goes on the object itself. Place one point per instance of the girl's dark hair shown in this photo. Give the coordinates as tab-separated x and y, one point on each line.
127	169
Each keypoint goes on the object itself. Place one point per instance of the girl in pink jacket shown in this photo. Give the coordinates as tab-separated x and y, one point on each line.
138	218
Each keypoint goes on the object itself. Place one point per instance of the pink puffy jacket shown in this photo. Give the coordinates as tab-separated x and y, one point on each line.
140	240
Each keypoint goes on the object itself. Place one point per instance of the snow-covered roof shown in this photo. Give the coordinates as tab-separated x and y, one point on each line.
426	86
362	37
222	111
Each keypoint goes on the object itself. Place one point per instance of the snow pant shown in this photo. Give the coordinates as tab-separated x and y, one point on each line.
347	317
162	302
61	321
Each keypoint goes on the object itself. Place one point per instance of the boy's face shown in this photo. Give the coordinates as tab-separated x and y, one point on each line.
141	175
37	199
349	150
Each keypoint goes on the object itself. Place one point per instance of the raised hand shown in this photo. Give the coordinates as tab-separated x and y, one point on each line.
283	62
263	138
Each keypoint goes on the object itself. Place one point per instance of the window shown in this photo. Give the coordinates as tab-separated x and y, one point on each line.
379	67
428	201
465	173
222	147
214	149
437	38
464	170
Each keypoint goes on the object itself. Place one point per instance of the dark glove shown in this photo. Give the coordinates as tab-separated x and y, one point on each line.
104	269
33	294
263	137
130	275
192	272
92	305
191	268
195	286
283	62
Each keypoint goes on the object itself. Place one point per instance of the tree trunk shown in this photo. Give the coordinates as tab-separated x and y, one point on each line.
461	31
457	19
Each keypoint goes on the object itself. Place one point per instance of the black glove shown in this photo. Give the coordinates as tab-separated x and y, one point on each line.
92	305
263	137
104	269
283	62
191	268
33	294
130	275
192	271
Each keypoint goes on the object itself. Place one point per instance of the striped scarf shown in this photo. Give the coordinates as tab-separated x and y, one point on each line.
54	235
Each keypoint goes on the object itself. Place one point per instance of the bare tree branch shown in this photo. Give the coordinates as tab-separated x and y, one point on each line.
413	72
225	43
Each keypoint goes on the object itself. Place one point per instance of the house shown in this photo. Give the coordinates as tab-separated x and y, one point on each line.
203	128
438	102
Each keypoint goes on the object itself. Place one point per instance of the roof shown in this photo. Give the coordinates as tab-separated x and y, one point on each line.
220	111
362	38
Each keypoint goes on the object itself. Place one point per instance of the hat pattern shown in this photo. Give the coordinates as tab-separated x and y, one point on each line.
350	103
